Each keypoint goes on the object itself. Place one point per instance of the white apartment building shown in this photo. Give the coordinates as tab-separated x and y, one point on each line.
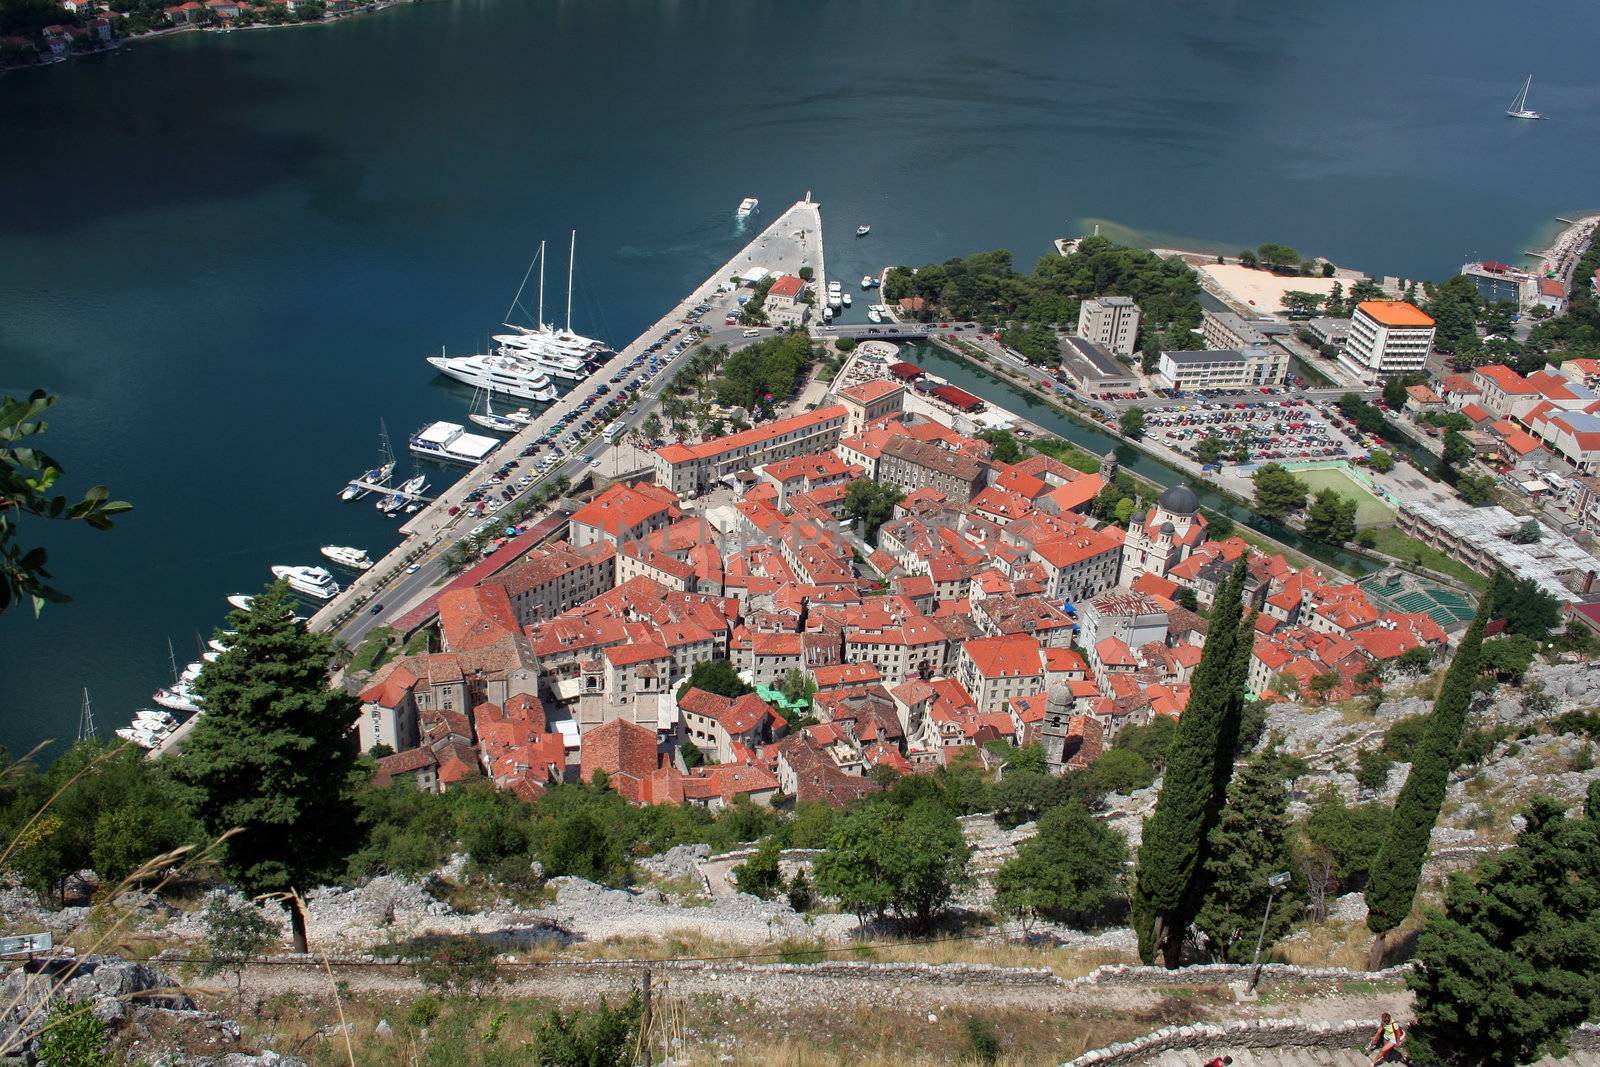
1227	368
1112	321
1387	337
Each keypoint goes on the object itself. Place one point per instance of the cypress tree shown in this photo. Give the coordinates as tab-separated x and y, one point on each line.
272	756
1397	869
1194	784
1249	844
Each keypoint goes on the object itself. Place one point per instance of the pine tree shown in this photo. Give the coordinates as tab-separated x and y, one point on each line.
1249	844
1397	870
1195	782
1507	970
272	756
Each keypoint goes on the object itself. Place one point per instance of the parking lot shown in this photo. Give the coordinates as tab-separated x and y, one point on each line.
1280	429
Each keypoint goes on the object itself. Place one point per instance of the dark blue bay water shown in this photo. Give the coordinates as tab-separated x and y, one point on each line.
229	253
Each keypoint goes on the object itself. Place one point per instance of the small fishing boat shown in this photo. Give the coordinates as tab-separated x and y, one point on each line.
862	231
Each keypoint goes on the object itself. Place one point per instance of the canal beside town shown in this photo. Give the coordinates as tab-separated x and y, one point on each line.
1003	394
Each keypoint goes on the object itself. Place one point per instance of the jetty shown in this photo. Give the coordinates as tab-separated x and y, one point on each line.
793	239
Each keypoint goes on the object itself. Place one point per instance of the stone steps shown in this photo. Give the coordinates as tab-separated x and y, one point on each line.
1321	1057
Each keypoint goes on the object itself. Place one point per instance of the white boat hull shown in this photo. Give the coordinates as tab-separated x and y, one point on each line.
503	385
177	700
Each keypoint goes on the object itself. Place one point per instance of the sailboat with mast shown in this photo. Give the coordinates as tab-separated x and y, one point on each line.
378	475
522	362
1519	108
488	418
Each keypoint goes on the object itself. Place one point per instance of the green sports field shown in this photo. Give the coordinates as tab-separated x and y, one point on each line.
1370	511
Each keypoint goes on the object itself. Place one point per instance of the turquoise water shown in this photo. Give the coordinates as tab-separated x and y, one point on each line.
229	253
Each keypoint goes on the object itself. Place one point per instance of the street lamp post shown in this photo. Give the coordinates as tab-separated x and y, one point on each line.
1274	883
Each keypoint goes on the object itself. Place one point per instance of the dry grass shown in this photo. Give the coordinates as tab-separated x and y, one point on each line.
1065	962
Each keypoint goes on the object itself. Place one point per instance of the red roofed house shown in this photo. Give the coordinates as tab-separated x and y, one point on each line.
870	401
997	669
783	305
475	618
716	723
624	512
717	786
1552	294
628	755
688	469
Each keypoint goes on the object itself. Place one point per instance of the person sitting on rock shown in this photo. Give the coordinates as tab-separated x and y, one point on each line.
1220	1061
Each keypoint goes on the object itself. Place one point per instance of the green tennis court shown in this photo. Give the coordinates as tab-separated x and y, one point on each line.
1370	511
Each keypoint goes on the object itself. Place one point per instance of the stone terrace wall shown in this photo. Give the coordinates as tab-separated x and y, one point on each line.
1262	1034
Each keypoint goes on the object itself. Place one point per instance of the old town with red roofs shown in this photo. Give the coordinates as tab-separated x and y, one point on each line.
989	611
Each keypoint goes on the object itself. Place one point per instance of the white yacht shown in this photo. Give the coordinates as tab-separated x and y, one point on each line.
178	697
862	231
503	371
544	357
354	558
450	442
309	581
144	735
747	207
846	299
522	361
827	314
241	601
391	504
415	485
217	646
155	718
872	313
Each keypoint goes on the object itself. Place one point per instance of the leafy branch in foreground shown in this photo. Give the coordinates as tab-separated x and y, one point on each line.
26	477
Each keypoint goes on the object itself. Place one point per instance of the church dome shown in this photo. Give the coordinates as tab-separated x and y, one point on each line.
1178	500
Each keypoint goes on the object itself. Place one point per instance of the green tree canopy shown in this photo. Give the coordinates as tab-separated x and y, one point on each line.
272	755
1070	871
1398	867
1507	970
1249	843
1277	492
716	676
883	856
1132	422
1331	518
872	504
1170	879
1527	609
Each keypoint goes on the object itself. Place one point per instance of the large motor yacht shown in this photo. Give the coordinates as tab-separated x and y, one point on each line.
503	371
309	581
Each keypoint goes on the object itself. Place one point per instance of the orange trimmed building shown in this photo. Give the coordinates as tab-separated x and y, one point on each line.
1387	337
